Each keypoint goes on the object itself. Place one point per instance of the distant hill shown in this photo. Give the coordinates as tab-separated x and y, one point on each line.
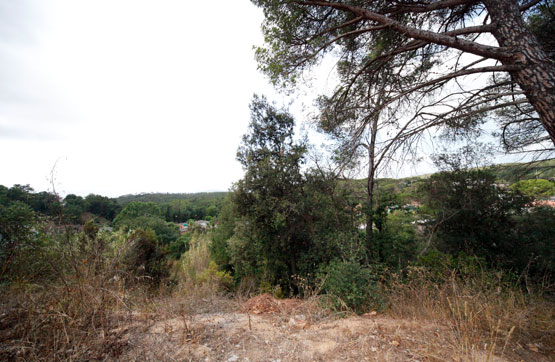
505	172
181	207
405	187
162	198
514	172
508	173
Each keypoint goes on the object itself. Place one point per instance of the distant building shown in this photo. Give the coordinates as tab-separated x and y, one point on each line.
202	223
550	202
183	228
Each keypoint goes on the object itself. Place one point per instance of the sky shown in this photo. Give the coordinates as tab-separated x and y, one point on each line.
126	96
118	97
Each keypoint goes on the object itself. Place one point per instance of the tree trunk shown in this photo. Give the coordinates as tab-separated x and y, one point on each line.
537	74
370	188
369	213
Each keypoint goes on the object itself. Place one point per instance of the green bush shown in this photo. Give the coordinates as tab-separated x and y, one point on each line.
147	215
351	285
178	247
21	239
440	266
142	256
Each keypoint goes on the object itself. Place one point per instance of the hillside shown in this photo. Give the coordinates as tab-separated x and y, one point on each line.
514	172
181	207
507	173
160	198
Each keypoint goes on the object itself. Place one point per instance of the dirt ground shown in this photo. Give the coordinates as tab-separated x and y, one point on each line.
265	329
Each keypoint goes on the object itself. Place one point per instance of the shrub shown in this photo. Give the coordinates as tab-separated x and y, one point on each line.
439	266
18	238
142	256
178	247
214	277
196	268
351	285
52	309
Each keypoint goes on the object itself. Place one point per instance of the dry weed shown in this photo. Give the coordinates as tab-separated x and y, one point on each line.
487	321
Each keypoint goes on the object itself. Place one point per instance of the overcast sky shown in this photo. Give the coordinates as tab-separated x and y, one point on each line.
130	96
126	96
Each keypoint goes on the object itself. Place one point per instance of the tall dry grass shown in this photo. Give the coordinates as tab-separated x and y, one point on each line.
200	285
71	310
485	313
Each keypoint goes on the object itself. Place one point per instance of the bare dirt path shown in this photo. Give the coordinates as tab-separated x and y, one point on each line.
243	337
280	336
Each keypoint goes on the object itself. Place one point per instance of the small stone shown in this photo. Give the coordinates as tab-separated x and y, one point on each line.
233	358
371	314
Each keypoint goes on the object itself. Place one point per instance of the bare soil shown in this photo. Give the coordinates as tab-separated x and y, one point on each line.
265	329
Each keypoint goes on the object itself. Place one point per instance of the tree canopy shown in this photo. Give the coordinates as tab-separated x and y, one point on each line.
269	194
537	188
146	215
432	46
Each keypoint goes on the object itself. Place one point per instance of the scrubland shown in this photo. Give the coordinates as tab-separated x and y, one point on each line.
88	296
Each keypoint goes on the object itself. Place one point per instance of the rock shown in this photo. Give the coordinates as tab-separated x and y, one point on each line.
371	314
299	321
233	358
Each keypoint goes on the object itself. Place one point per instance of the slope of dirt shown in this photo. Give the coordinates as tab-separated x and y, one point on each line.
272	334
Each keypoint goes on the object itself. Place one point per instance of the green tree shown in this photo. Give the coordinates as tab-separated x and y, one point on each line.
48	204
22	193
269	197
220	236
398	241
471	214
18	233
74	207
102	206
533	237
537	188
139	209
147	215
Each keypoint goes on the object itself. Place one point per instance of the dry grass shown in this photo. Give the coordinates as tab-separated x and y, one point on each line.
73	308
288	336
87	310
199	324
90	299
487	319
72	321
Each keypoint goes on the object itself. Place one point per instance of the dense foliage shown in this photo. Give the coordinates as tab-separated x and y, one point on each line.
146	215
182	207
474	215
287	221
